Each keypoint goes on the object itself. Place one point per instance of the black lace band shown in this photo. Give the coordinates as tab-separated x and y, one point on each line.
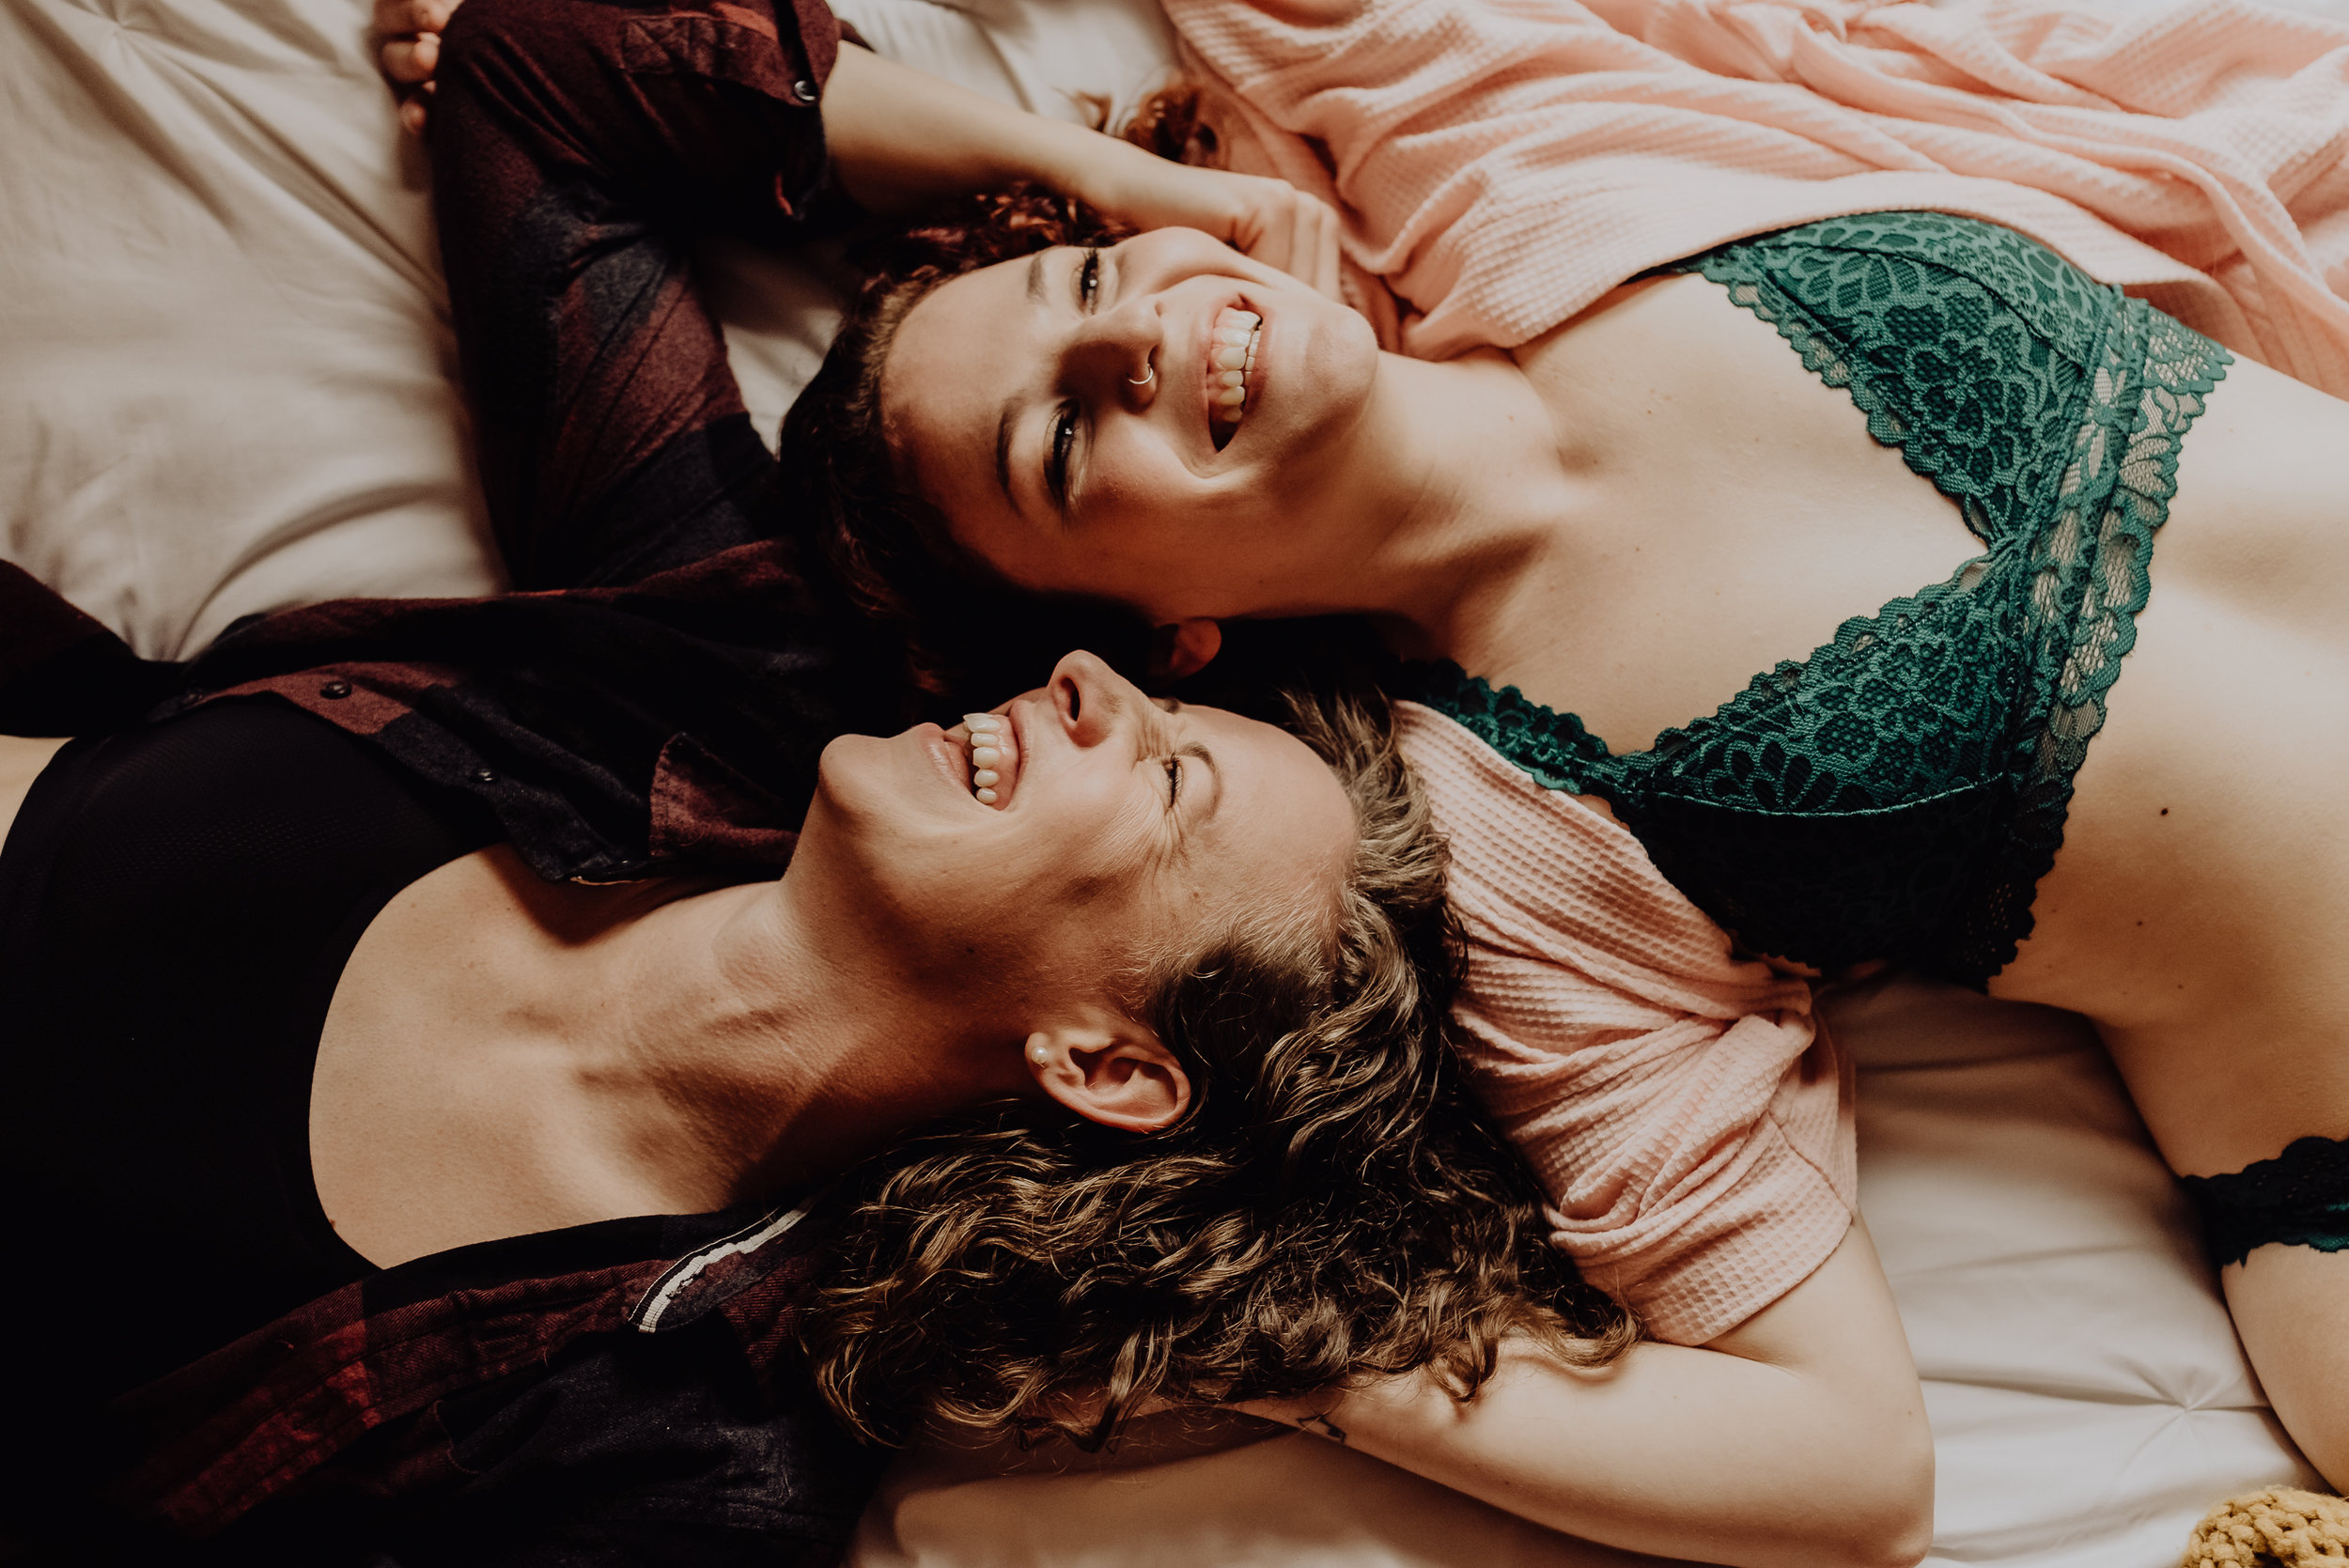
2298	1199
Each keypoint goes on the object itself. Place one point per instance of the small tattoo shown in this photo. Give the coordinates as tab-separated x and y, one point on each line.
1322	1426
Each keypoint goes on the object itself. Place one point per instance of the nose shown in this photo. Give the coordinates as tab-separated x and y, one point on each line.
1092	702
1114	355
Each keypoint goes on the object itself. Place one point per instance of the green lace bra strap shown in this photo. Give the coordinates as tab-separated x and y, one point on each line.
1553	749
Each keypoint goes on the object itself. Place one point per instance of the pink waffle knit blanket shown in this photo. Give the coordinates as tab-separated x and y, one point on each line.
1504	163
1690	1123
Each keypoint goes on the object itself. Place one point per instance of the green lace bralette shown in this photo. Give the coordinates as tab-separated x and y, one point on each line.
1899	792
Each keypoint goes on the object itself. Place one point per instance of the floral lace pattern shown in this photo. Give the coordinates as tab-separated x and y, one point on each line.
1900	792
2298	1199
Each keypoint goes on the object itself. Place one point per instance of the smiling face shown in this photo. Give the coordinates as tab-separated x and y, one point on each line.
1065	413
1121	830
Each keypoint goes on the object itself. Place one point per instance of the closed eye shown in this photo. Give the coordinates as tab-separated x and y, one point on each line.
1174	781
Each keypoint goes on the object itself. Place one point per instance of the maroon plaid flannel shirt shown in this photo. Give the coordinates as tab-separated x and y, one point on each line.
653	699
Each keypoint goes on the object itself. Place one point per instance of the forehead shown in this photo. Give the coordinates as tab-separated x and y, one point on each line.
961	350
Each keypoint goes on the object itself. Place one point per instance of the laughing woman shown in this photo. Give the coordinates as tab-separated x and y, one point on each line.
1913	468
455	1215
426	1107
1801	1424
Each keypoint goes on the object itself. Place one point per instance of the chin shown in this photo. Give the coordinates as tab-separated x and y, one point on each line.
856	776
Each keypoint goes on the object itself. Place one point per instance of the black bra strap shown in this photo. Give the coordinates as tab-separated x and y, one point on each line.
2298	1199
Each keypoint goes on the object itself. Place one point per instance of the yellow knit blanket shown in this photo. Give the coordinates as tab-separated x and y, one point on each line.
2280	1527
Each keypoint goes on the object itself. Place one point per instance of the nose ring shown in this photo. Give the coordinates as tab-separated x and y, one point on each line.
1145	380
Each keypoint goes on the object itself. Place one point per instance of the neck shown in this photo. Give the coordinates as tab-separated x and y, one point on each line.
740	1043
1465	484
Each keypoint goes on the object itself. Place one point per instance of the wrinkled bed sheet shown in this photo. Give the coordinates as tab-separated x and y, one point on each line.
225	388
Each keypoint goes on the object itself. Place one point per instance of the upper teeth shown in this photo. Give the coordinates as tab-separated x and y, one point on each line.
1233	355
987	735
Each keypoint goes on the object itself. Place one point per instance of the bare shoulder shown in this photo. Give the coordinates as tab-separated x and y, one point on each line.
20	762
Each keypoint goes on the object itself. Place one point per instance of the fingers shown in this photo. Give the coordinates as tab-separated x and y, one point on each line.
409	61
1298	233
409	53
413	110
1323	255
399	18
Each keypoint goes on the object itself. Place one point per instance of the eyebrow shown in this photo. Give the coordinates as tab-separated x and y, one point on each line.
1036	278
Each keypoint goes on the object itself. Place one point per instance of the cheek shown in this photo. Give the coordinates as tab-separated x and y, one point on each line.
1078	857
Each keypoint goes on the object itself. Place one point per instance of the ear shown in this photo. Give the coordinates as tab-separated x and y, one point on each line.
1110	1070
1185	647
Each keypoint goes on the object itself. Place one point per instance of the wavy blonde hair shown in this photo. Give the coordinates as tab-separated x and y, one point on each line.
1330	1209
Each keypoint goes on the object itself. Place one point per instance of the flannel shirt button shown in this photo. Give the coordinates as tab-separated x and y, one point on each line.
484	775
335	689
804	90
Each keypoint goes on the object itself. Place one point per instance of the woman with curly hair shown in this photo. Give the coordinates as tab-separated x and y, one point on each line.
1159	1000
1800	1424
503	1082
1929	449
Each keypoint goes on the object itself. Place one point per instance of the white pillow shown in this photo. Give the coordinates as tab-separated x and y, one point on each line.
225	368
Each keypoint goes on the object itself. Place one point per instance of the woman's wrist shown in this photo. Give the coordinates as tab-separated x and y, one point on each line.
902	139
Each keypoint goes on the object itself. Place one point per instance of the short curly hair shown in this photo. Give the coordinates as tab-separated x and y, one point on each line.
1332	1207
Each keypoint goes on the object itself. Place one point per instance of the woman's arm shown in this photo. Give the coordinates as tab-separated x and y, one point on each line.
902	139
1796	1440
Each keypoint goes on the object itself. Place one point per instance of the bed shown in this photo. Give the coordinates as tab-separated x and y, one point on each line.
226	387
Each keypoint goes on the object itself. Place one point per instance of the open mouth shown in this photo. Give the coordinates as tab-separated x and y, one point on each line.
1231	363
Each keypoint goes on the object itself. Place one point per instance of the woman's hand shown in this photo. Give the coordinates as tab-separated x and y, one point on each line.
1270	220
901	139
407	52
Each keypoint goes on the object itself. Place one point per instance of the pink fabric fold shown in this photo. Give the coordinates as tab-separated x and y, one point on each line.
1689	1119
1505	163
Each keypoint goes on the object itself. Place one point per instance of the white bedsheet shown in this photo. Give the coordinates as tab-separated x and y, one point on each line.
225	387
2088	1398
225	362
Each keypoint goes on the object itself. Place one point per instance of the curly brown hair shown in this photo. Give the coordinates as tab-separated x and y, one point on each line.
1331	1208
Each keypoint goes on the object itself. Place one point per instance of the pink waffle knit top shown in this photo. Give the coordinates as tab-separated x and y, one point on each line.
1689	1119
1503	163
